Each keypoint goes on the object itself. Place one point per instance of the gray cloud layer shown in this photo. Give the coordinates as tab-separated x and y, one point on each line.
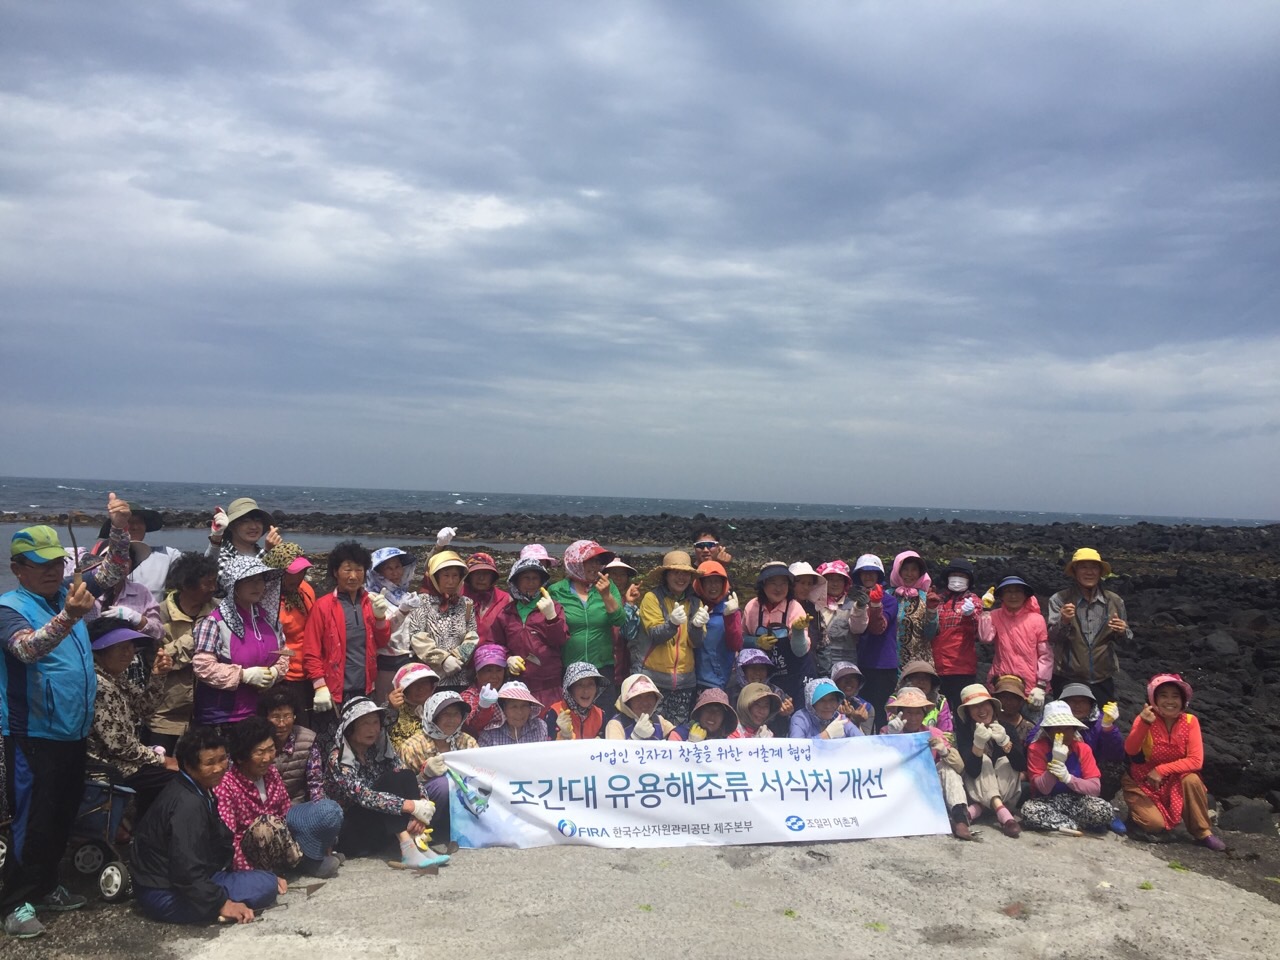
988	255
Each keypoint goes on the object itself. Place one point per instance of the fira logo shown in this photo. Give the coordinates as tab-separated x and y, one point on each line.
795	823
568	828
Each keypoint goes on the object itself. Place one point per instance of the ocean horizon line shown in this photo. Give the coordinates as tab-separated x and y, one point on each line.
20	494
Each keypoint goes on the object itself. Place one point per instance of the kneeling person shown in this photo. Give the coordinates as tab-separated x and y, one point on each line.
182	850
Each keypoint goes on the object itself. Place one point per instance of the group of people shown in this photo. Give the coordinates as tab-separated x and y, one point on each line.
269	729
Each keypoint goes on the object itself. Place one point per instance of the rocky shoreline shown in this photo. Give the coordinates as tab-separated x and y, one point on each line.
1203	601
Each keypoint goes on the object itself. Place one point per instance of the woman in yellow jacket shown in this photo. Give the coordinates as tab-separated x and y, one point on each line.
672	624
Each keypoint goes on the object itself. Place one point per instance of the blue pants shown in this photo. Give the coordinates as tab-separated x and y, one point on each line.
256	889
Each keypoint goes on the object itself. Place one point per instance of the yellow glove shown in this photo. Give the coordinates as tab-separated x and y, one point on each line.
801	622
989	598
515	665
766	641
1110	713
696	733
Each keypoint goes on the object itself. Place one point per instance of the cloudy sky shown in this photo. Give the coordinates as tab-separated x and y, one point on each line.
994	255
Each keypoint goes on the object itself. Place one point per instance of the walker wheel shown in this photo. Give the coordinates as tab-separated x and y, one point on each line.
114	882
89	857
4	850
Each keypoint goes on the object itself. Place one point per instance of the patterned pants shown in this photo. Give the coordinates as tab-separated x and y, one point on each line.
676	705
268	845
1075	811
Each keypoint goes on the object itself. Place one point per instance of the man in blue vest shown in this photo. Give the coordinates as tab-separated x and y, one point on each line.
47	687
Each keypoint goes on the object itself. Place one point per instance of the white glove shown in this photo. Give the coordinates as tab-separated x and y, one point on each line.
643	730
939	746
701	617
546	606
1060	750
678	615
124	614
218	526
981	734
411	602
260	677
381	606
564	724
423	811
835	729
1110	714
896	723
445	536
436	766
1036	699
998	735
515	665
450	666
488	697
731	604
323	700
1059	770
968	608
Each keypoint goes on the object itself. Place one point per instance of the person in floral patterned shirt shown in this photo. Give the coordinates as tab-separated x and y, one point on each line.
119	707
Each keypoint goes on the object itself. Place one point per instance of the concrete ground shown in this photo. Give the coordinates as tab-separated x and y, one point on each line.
1041	896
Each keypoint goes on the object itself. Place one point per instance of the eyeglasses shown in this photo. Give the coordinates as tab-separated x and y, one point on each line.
706	544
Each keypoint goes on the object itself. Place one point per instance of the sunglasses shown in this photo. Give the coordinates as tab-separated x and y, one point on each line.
706	544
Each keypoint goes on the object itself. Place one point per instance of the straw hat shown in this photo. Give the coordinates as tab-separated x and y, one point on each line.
677	560
971	696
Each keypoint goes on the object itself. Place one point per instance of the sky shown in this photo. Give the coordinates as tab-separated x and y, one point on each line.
981	255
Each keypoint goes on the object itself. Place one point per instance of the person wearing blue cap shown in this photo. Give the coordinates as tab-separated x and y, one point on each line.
48	683
821	717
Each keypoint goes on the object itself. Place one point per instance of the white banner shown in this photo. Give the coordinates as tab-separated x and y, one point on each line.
615	793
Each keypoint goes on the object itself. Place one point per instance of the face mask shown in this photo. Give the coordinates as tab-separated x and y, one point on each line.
957	584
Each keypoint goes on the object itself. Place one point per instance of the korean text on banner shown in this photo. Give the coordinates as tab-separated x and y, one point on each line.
667	794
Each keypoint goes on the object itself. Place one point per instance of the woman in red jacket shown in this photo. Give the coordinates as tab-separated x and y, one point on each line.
350	617
532	630
1165	751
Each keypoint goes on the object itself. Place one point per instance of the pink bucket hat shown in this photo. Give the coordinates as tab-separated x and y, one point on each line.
411	673
536	551
1160	679
515	690
489	655
837	567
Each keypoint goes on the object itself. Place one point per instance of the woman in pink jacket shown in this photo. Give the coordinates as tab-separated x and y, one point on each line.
1021	640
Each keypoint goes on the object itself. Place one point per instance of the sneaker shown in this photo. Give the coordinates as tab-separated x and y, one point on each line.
1117	826
420	861
1213	843
22	923
61	899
